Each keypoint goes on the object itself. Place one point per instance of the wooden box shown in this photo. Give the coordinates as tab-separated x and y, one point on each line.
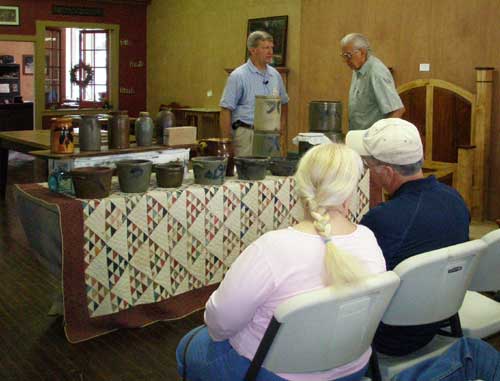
176	136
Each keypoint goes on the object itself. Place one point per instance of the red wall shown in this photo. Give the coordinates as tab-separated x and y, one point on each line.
132	21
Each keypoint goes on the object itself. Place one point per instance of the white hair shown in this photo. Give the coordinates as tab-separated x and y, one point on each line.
357	40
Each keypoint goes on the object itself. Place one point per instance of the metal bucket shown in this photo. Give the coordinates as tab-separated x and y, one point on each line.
267	114
325	116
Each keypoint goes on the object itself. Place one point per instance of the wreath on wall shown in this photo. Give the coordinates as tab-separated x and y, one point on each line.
81	74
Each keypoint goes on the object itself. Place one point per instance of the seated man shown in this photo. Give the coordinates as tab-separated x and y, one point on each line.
421	215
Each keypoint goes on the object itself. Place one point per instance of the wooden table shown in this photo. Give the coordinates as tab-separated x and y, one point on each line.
131	259
20	141
37	143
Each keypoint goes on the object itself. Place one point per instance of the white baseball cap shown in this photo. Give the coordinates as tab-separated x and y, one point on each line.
391	140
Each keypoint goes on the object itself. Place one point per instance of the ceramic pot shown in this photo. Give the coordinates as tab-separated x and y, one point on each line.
266	144
118	130
283	167
92	182
164	119
90	134
144	129
134	175
61	135
267	113
169	175
209	170
219	147
251	167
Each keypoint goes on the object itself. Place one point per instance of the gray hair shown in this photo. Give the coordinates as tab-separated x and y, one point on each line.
403	170
357	40
255	37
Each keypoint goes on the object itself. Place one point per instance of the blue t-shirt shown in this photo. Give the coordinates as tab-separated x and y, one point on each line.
422	215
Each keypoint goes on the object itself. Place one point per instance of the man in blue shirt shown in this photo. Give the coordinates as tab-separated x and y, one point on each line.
421	215
255	77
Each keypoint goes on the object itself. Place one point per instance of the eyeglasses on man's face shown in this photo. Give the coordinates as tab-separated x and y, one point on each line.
347	56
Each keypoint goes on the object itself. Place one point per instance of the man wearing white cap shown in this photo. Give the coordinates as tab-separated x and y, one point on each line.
421	215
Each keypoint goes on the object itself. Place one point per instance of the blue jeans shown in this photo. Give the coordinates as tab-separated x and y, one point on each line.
208	360
466	360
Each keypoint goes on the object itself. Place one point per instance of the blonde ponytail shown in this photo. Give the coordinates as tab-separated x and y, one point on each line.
326	177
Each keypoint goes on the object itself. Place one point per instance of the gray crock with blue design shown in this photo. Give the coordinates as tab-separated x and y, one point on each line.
209	170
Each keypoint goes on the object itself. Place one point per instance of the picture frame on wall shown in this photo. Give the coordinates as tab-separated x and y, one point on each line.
28	64
277	27
9	15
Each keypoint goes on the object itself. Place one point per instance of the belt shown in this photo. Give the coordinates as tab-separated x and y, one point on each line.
239	124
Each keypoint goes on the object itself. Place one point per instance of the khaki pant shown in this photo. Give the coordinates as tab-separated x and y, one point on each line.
243	141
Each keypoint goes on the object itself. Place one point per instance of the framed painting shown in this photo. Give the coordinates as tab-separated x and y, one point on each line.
276	27
9	15
28	64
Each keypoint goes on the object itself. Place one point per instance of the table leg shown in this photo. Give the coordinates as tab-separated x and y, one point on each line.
4	164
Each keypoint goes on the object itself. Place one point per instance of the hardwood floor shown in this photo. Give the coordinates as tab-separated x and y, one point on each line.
33	345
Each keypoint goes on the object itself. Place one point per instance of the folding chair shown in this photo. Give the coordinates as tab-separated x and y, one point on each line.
324	329
432	288
480	315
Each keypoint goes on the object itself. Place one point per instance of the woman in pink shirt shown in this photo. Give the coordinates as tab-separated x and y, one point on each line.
325	249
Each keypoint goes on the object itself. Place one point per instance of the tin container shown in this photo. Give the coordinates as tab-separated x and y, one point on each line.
61	135
325	116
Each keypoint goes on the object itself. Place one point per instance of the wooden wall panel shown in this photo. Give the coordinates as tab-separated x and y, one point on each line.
452	118
414	102
454	36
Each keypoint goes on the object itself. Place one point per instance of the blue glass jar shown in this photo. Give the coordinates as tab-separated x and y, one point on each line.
60	181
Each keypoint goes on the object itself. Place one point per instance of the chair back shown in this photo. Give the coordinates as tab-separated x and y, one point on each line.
327	328
433	284
486	277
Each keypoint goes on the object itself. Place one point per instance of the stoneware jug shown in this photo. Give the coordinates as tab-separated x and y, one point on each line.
144	129
164	119
134	175
118	130
90	134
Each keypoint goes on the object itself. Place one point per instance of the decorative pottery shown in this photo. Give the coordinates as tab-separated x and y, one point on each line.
266	144
251	167
61	135
90	134
118	130
283	167
209	170
219	147
169	175
92	182
144	129
134	175
164	119
267	114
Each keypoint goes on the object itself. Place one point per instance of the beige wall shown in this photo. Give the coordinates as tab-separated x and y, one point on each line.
190	42
454	36
17	49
